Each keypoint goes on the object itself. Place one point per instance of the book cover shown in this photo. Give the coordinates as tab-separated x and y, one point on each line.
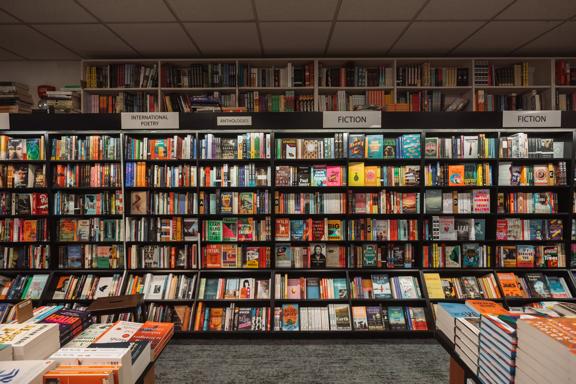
214	230
335	230
303	174
356	174
374	318
372	176
229	229
470	287
246	203
138	203
369	255
431	148
319	178
456	175
396	318
509	284
433	201
342	314
360	318
290	317
230	256
411	146
525	256
333	176
356	146
381	286
282	229
472	255
537	285
374	146
389	145
283	257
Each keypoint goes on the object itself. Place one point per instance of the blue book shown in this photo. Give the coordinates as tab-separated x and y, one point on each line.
458	310
312	288
375	146
340	288
411	146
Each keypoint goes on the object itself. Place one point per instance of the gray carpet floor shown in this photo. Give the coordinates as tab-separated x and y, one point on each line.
303	361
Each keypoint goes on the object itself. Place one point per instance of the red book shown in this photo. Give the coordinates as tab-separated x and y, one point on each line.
158	334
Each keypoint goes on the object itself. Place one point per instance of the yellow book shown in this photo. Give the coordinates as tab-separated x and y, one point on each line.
479	176
434	286
523	177
552	174
356	174
372	176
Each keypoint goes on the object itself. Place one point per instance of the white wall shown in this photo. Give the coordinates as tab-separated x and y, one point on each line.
35	73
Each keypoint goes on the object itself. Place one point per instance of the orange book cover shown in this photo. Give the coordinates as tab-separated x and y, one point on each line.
455	175
114	369
213	253
509	284
487	307
562	329
156	333
79	377
215	323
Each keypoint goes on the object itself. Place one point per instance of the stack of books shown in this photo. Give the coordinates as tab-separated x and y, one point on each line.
15	97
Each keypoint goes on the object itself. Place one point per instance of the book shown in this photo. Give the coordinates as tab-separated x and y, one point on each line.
356	174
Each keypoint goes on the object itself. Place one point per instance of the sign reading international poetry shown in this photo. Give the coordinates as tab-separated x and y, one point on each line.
150	120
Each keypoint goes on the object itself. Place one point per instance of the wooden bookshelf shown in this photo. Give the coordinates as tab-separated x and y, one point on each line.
376	81
305	125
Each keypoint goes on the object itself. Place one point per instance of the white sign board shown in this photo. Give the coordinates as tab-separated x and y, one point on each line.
529	119
150	120
233	120
4	121
352	119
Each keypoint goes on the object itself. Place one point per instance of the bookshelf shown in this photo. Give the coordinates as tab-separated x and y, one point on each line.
235	205
323	84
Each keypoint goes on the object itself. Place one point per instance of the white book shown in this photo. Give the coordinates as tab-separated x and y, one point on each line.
104	288
155	289
121	331
25	371
87	337
30	341
99	356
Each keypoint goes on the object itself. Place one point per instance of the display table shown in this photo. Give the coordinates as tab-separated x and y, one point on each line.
459	371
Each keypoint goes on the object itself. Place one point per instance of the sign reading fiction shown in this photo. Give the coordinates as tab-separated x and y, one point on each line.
4	121
352	119
530	119
150	120
233	120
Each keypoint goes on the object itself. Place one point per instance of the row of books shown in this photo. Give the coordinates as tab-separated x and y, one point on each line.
309	288
163	203
94	229
455	175
337	317
383	202
15	97
22	287
166	148
431	101
232	288
355	75
161	229
121	102
425	75
121	75
231	318
312	148
254	145
234	203
466	255
22	230
157	256
534	285
309	230
527	202
531	256
452	228
87	287
565	72
22	176
282	76
25	257
520	146
529	229
20	148
87	175
198	75
236	229
140	174
456	202
235	256
347	101
503	75
35	203
530	101
227	175
179	315
179	102
103	203
380	230
460	147
162	287
387	255
90	147
309	203
90	256
537	174
461	287
290	101
566	101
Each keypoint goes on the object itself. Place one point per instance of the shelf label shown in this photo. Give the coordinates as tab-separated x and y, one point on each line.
354	119
233	120
4	121
150	120
530	119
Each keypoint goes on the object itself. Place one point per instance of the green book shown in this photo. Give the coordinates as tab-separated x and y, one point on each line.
214	230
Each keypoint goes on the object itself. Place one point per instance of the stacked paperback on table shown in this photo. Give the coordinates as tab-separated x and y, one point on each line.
116	353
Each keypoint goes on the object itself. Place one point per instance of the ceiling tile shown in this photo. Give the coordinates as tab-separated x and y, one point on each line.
90	40
41	11
129	10
5	55
502	37
27	42
156	39
293	10
433	38
379	9
462	9
349	38
239	39
213	10
294	38
540	10
6	18
558	42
